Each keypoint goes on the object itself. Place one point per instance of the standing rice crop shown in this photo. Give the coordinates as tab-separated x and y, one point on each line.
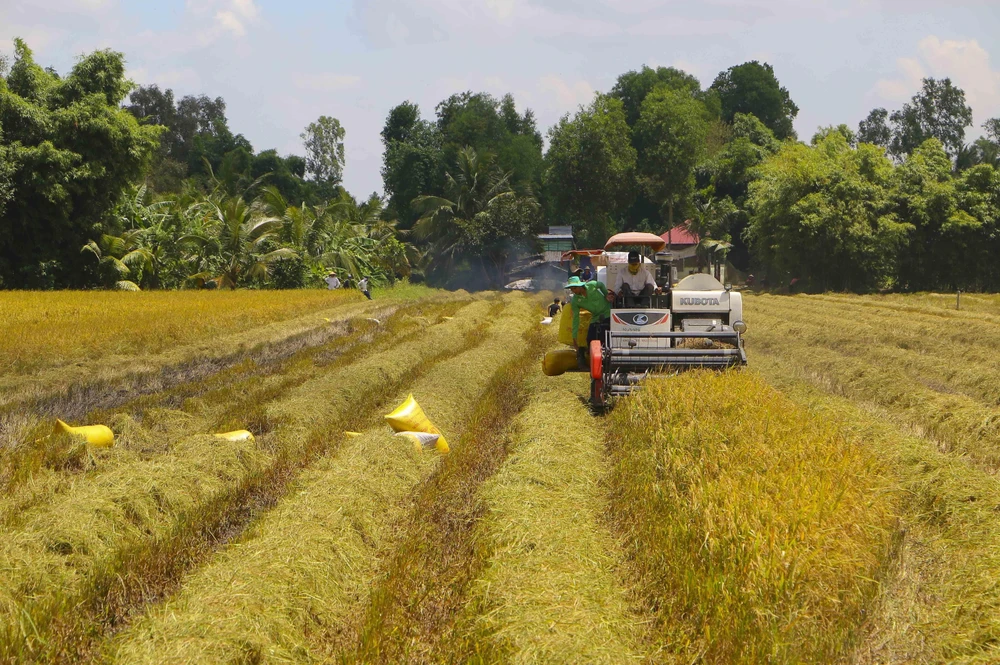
284	591
756	531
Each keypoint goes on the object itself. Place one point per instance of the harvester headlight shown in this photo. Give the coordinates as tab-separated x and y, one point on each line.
740	327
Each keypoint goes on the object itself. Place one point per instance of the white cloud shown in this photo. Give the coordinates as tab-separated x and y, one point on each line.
967	63
231	17
326	82
568	95
230	22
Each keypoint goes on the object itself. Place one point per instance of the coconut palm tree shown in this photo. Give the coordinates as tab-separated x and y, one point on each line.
445	220
240	237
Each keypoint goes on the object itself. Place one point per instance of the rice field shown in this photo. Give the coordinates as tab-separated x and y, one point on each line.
835	502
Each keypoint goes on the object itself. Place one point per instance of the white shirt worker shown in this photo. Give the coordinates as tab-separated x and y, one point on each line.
636	282
332	282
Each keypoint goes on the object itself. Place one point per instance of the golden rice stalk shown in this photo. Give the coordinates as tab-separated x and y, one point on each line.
755	530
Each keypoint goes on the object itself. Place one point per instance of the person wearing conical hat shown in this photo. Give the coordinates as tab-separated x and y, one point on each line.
593	297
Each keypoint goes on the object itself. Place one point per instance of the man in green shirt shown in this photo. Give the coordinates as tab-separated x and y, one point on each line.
593	297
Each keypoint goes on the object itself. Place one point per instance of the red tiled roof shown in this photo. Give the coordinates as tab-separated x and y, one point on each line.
680	236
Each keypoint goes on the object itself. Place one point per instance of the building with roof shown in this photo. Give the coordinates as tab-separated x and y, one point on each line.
683	244
559	239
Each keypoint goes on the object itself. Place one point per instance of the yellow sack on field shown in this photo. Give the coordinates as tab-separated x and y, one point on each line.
559	362
99	436
421	440
237	435
566	327
409	417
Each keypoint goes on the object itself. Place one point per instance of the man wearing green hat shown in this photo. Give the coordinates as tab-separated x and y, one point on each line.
593	297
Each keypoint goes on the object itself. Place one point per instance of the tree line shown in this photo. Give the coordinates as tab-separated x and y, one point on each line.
106	184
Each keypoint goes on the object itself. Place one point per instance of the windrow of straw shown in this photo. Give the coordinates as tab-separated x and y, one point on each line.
283	591
101	545
755	531
548	591
234	398
412	612
940	603
909	366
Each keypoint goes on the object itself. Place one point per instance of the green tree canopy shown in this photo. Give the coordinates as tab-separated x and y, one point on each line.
324	142
726	177
671	130
493	127
412	163
70	152
476	225
632	87
754	89
955	220
824	214
938	111
590	169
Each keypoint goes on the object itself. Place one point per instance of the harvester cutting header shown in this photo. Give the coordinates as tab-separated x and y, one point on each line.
648	324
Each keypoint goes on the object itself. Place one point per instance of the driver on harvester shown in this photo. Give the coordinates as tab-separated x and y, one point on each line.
633	282
593	297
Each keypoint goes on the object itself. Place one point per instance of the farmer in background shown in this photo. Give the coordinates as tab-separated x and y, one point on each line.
593	297
587	274
554	307
363	285
633	282
332	281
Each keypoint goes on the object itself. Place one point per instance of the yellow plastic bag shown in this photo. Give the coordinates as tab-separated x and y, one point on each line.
421	440
409	417
559	362
566	327
236	435
99	436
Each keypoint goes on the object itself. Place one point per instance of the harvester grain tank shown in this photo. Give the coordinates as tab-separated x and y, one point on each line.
695	323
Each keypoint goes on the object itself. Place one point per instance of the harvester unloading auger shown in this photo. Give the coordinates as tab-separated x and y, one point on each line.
697	323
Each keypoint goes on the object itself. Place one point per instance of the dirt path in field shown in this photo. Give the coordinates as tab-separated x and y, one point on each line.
287	589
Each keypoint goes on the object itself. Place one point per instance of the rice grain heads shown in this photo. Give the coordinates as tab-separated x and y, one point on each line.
756	531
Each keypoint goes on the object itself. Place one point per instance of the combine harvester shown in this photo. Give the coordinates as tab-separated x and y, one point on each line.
695	323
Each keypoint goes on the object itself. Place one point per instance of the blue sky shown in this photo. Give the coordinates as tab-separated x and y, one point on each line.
281	64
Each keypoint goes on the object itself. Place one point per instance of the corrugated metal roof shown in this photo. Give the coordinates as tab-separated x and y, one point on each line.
680	235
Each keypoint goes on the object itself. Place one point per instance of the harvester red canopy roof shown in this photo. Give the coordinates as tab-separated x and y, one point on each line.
654	242
680	236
